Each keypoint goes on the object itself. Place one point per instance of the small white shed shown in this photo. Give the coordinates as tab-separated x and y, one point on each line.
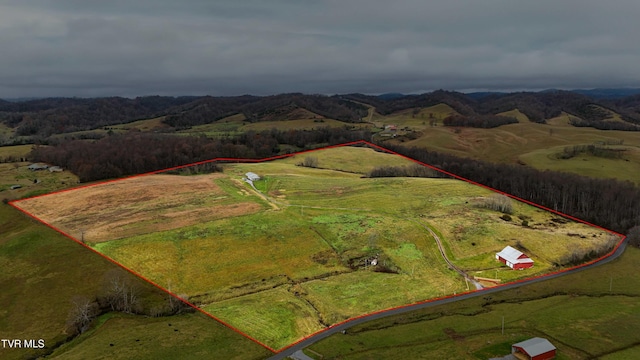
252	176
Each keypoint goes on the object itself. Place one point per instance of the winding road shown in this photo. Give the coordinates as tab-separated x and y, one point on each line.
346	325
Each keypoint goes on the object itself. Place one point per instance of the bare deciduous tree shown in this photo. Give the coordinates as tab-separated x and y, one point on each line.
310	161
120	292
499	202
82	313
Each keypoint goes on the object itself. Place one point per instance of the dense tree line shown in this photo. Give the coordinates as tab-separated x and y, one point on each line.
609	203
405	171
458	101
538	106
54	116
628	107
134	153
479	121
43	117
255	109
604	125
595	150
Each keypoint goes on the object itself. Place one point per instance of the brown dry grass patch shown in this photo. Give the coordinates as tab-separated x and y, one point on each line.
137	206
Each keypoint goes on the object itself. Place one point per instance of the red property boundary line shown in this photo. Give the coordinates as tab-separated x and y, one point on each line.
14	204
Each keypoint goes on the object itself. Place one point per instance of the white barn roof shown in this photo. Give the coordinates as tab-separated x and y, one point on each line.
513	255
535	346
252	176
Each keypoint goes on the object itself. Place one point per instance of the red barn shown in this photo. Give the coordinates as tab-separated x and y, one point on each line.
534	349
514	258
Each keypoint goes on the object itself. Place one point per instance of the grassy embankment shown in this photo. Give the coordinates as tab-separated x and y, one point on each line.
42	271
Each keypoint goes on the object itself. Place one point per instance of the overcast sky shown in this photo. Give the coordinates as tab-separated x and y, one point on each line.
229	47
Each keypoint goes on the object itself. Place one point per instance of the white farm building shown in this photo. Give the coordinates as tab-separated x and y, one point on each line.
252	176
514	258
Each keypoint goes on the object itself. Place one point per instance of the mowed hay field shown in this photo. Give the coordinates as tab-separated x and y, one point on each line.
302	256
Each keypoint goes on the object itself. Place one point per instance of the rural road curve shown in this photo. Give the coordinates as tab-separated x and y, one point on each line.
344	326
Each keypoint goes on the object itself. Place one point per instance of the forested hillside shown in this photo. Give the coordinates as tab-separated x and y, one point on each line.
38	119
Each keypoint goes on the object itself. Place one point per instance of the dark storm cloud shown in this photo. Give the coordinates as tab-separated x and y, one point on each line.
94	48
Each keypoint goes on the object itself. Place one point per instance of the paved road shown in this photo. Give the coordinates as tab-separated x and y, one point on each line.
344	326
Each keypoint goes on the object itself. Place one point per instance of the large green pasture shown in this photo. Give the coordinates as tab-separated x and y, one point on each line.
238	124
309	255
192	336
15	150
625	168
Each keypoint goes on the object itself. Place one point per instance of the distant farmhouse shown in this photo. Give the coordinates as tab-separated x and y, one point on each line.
534	349
38	166
514	258
252	176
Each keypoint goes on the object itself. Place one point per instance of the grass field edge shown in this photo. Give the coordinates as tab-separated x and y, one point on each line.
15	206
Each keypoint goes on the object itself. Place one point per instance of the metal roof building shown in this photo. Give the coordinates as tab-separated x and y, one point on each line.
514	258
534	349
252	176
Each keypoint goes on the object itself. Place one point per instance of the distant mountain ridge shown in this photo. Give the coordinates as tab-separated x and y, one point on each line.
44	117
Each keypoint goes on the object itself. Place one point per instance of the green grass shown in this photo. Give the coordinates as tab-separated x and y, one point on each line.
318	235
277	317
524	142
193	336
41	273
6	131
225	258
16	150
237	124
142	125
515	114
18	174
577	313
626	168
350	159
416	118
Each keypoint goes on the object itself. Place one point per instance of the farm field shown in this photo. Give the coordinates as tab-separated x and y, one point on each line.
43	271
561	310
308	247
134	337
237	124
525	142
31	182
15	150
